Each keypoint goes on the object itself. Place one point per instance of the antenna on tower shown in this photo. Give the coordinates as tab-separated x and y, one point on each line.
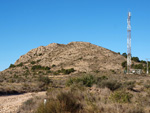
129	43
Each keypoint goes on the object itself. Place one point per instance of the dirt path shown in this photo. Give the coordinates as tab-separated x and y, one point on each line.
10	104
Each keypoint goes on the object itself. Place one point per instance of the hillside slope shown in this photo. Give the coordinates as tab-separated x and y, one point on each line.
82	56
31	72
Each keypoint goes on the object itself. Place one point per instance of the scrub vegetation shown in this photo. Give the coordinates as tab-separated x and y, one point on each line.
95	93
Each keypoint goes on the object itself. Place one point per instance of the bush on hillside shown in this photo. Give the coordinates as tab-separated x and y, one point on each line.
129	85
66	71
33	62
124	54
136	59
20	65
44	79
124	64
53	65
12	66
144	62
39	67
121	97
87	80
110	84
138	66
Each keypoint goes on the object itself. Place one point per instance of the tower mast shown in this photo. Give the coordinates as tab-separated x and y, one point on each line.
129	43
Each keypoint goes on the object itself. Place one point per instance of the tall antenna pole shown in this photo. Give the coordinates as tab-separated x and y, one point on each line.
147	66
129	43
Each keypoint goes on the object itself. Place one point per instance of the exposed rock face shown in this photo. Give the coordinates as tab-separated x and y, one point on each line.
81	56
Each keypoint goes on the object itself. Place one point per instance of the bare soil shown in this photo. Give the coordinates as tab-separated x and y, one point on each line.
10	104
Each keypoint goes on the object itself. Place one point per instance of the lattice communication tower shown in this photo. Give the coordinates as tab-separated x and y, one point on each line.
129	43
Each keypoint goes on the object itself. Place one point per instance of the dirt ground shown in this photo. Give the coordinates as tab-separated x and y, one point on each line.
10	104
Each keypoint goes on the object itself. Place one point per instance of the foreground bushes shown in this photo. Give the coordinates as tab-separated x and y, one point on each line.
89	80
85	102
63	103
106	95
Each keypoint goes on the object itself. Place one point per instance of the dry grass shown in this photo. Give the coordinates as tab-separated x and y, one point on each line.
129	98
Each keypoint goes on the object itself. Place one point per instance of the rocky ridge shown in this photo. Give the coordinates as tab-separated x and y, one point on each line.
82	56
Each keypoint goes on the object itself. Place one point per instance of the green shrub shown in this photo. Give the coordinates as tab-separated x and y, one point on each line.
99	79
121	97
70	81
113	71
124	54
39	67
142	61
33	62
136	59
45	80
55	73
38	61
87	80
46	68
20	65
147	86
12	66
53	65
96	71
124	64
48	72
110	84
36	67
129	85
64	103
66	71
40	54
138	66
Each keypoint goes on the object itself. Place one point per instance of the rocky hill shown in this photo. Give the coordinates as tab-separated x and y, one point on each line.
63	71
57	59
81	56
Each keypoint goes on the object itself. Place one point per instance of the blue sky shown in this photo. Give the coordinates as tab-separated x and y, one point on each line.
27	24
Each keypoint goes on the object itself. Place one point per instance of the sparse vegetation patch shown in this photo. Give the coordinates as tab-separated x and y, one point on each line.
39	67
121	97
33	62
87	80
64	71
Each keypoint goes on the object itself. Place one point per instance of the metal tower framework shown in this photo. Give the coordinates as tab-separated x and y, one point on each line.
129	43
147	65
